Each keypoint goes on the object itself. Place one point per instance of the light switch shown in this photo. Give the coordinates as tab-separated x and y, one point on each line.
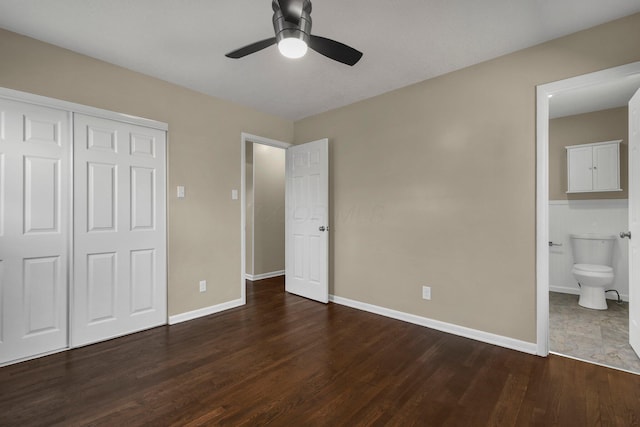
234	194
180	191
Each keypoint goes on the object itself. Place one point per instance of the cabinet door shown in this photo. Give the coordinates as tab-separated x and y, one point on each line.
579	169
606	175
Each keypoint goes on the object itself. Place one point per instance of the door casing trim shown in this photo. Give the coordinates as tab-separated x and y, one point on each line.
543	93
244	138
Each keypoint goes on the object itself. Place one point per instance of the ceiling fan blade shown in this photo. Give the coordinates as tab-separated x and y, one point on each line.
251	48
291	10
335	50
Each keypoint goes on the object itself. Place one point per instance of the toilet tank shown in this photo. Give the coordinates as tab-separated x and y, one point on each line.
592	248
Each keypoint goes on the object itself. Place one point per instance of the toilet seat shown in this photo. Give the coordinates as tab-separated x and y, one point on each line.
593	268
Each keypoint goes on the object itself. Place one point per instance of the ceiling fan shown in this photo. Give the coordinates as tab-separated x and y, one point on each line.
292	25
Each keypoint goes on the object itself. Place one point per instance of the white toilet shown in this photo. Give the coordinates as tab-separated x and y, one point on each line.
592	257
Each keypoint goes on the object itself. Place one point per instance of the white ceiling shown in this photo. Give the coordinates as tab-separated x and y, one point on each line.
404	41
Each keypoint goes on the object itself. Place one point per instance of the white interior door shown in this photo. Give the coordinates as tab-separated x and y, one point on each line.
307	220
34	206
119	283
634	222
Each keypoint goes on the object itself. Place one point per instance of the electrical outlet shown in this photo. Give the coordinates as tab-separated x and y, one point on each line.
203	285
426	292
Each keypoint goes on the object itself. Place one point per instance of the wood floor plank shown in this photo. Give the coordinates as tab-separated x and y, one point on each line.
284	360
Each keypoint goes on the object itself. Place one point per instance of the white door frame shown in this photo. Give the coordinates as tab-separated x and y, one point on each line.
543	93
72	107
244	138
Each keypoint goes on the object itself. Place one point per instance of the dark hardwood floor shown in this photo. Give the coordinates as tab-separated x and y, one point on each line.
284	360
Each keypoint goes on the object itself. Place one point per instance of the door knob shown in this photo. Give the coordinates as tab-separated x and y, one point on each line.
554	244
623	234
323	228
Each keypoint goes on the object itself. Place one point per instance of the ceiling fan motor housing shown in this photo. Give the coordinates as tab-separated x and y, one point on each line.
285	29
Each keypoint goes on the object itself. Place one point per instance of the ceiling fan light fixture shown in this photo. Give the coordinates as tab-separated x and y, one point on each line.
292	28
292	47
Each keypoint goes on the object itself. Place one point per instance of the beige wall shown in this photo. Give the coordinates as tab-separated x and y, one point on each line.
434	184
606	125
248	244
269	183
203	155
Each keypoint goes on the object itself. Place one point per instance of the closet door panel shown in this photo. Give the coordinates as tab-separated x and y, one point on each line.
41	286
119	229
41	194
101	196
34	207
143	206
101	287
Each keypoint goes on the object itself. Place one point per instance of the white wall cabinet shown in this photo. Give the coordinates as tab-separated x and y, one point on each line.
593	167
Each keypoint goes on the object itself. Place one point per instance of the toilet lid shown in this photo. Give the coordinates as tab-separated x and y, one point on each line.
593	267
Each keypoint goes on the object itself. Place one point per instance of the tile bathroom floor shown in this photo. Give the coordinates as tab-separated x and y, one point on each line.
600	336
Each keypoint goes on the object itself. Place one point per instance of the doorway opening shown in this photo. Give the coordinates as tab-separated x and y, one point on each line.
263	209
584	112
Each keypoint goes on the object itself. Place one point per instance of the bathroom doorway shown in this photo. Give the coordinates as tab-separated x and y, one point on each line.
263	209
583	112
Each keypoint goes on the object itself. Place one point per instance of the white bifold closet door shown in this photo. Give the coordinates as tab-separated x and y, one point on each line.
34	235
119	278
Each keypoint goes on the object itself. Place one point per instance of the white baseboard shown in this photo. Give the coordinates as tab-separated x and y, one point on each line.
190	315
574	291
499	340
269	275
